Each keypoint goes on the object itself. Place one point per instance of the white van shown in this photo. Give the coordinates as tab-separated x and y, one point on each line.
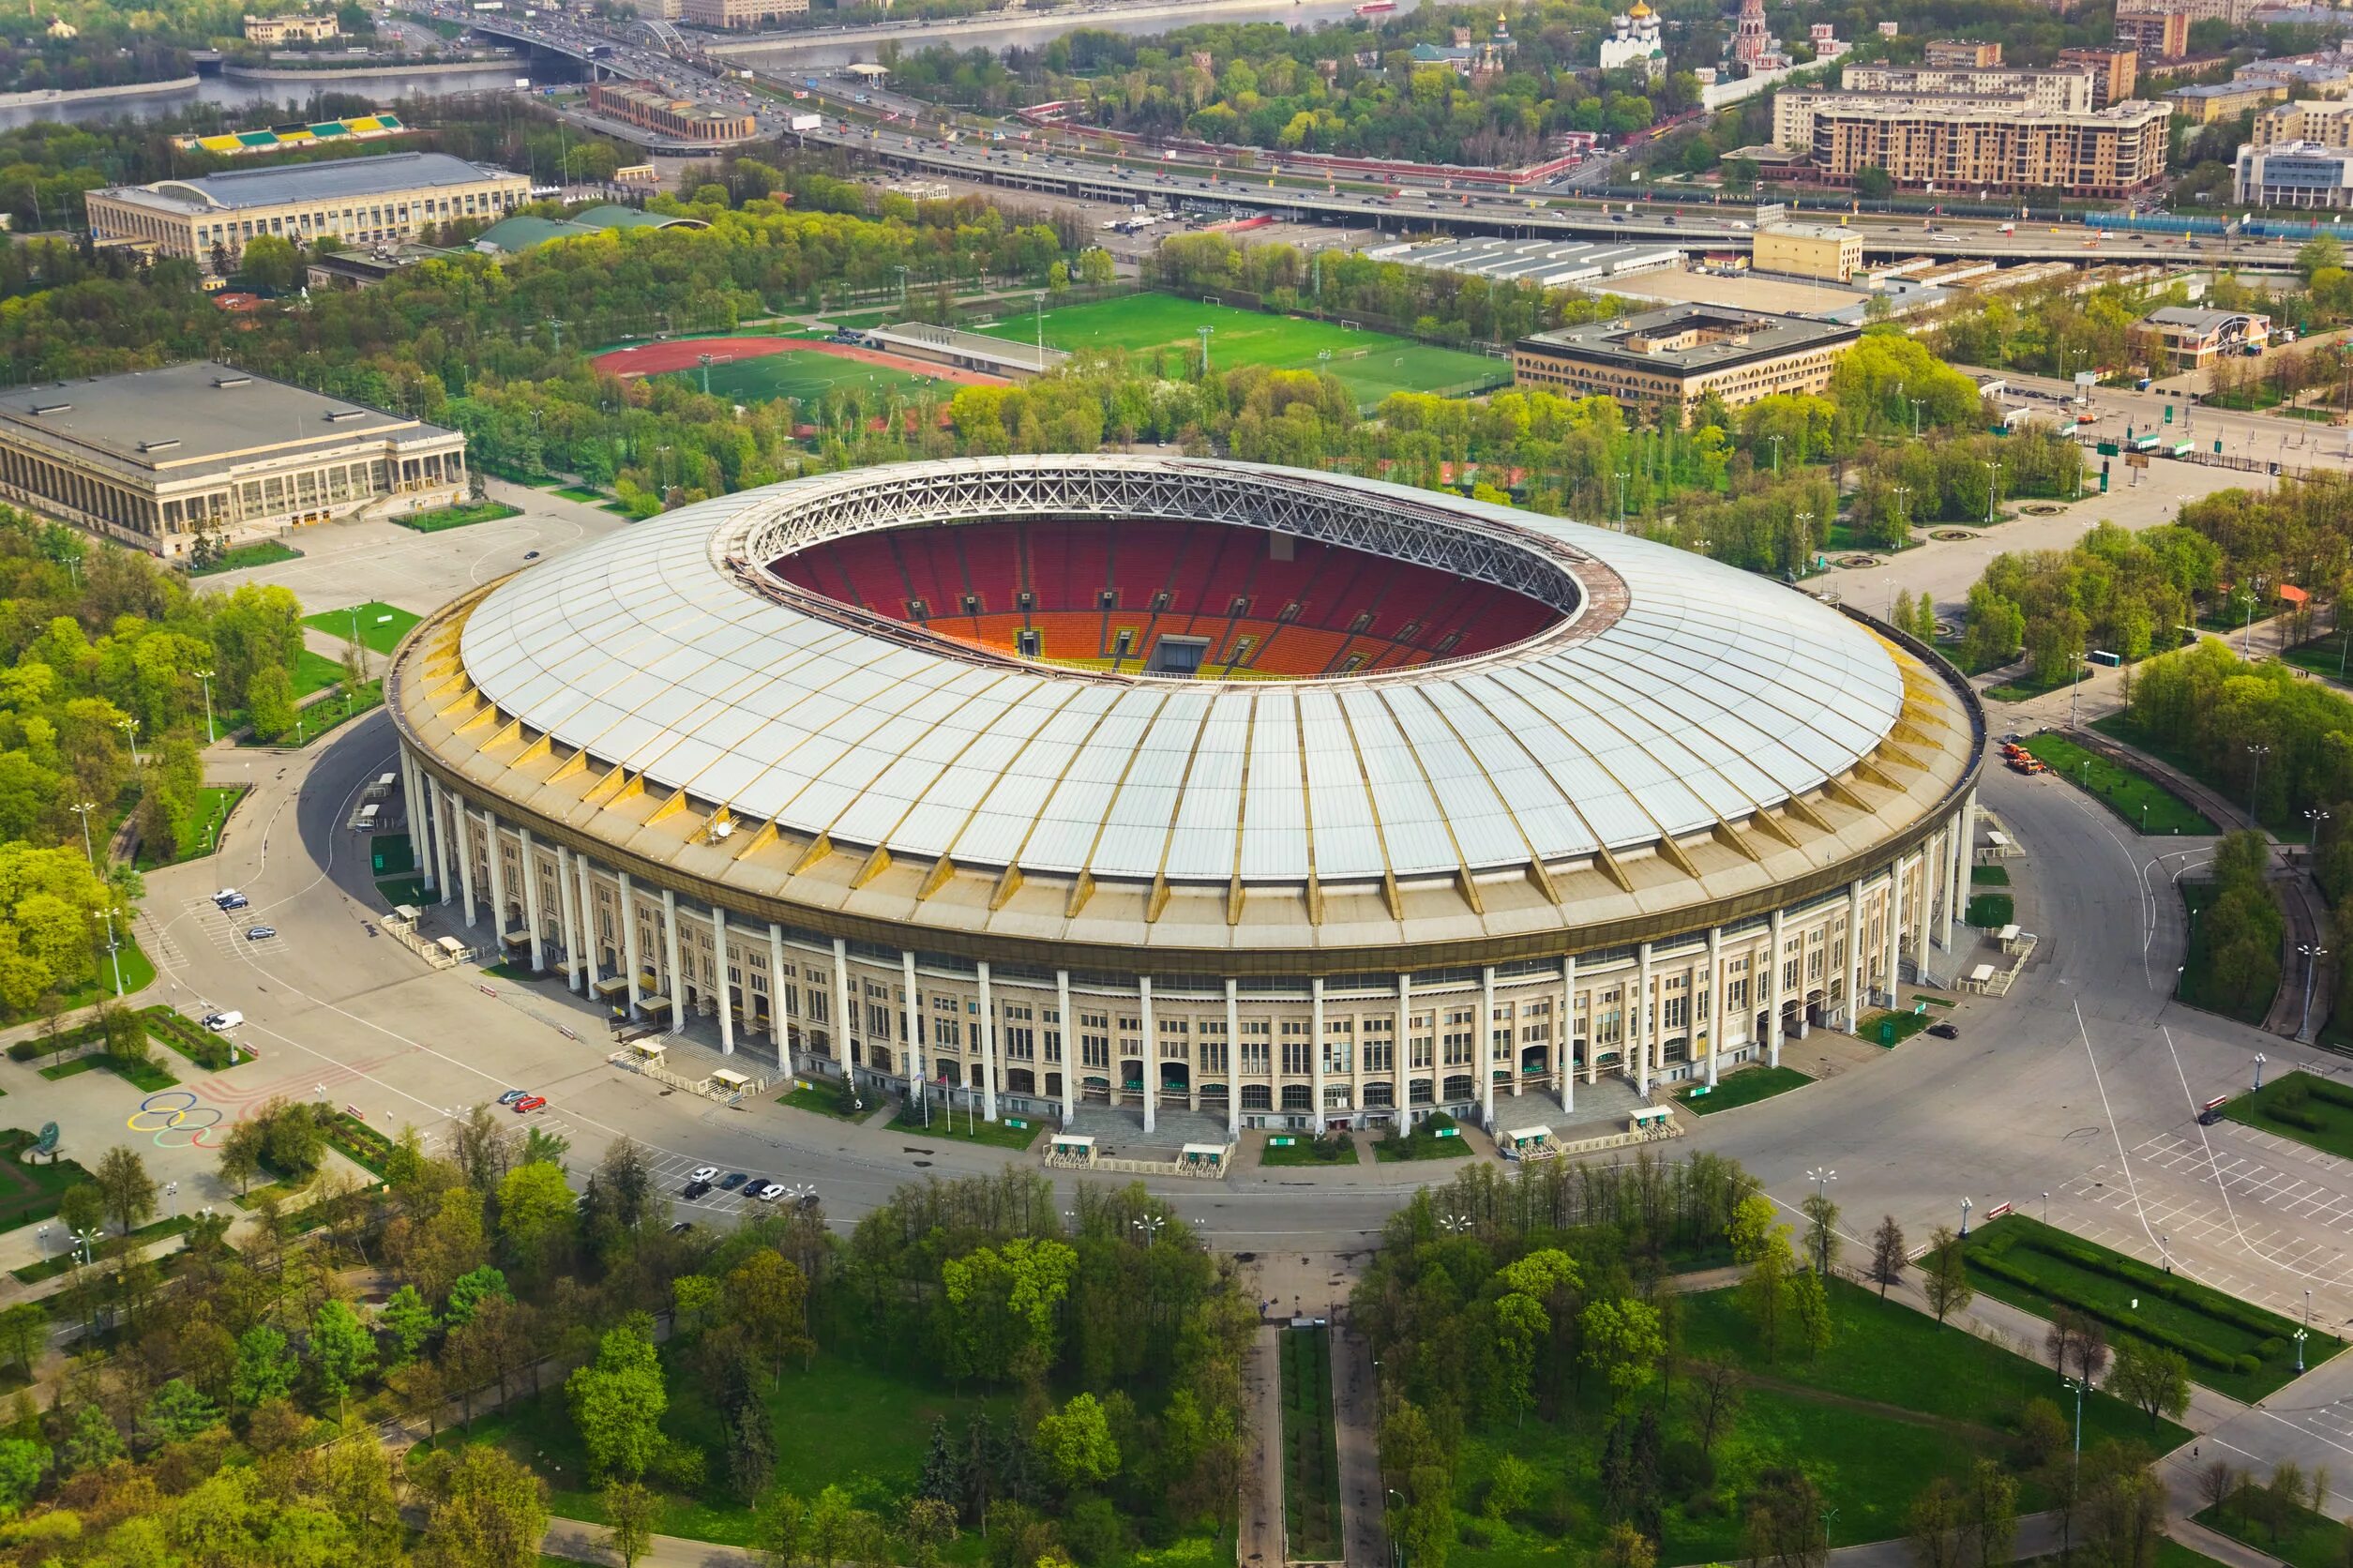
220	1023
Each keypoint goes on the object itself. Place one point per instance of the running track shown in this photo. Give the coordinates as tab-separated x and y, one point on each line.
654	359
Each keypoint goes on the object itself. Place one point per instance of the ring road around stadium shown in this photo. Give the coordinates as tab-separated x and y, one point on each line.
1268	796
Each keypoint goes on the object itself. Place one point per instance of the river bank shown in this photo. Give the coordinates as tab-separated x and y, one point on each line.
236	72
93	95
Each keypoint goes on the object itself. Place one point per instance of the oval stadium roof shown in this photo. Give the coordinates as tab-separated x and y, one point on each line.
1696	695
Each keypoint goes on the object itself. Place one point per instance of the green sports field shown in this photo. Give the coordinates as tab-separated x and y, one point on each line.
805	375
1371	364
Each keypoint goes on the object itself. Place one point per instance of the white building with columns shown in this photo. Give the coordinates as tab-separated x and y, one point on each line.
1687	816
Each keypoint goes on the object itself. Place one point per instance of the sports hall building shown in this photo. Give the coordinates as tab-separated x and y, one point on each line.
1271	796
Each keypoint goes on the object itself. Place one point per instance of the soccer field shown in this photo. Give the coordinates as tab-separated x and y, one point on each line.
805	375
1371	364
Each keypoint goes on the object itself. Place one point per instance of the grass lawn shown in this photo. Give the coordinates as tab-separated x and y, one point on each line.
824	1096
965	1129
581	494
381	625
1894	1401
199	831
2026	687
1891	1029
2132	795
1311	1454
314	673
138	975
112	1245
1165	327
1989	876
1744	1087
1423	1143
2027	1264
2325	657
2309	1109
261	552
2306	1540
396	891
391	854
458	517
2197	986
150	1078
805	375
835	1421
1991	912
30	1192
1337	1149
2291	829
318	718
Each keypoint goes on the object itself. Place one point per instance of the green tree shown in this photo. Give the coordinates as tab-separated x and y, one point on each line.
264	1367
23	1463
618	1399
269	701
488	1511
129	1191
91	1442
1888	1255
631	1512
1765	1287
1076	1443
1623	1342
410	1322
767	1297
469	1291
1821	1231
23	1334
342	1350
82	1207
1809	1312
1947	1279
535	1209
2318	253
176	1411
270	262
1873	183
1007	1302
2154	1378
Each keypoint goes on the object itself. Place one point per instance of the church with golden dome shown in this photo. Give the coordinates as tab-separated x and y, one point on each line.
1634	42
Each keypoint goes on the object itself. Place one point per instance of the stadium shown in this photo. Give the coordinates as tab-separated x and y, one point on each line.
1190	793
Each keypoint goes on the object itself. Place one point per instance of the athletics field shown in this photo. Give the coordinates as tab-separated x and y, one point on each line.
1371	364
762	369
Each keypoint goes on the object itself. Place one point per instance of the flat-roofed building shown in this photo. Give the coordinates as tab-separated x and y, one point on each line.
1673	358
2236	12
384	200
649	108
161	459
270	31
2115	72
2295	174
2068	89
1824	251
1956	144
738	13
2183	337
1963	52
2324	123
2157	35
2204	103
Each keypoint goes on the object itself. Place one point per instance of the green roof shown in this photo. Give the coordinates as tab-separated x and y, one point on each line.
607	216
513	235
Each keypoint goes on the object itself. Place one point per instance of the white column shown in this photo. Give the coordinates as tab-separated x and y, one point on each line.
585	892
1151	1052
841	1031
1405	1049
1638	1028
675	980
567	909
1315	1051
1716	1015
630	947
1893	958
531	901
1566	1033
910	1037
1772	994
1070	1044
497	866
727	1007
1854	953
1482	1046
990	1071
1233	1057
420	820
1964	858
465	856
1923	895
777	1026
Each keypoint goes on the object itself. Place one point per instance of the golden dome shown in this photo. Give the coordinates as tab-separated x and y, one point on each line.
1640	11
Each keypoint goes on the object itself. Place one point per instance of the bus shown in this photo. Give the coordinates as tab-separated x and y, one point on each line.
2181	450
2146	444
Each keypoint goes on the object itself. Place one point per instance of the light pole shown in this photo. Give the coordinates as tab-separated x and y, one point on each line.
1622	477
2077	1464
113	948
86	807
2298	1336
1965	1207
207	676
2255	783
2246	633
1821	1176
1453	1225
2259	1059
2313	954
1776	455
129	726
2046	1208
1993	486
172	1191
1203	333
1916	403
1902	492
1151	1225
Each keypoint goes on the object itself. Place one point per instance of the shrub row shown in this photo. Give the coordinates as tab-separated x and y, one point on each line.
2155	1281
2195	1349
2330	1090
184	1035
38	1045
355	1138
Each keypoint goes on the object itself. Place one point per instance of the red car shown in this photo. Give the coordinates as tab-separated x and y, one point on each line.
530	1103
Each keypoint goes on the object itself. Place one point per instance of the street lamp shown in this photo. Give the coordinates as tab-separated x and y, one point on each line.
1453	1225
1965	1207
1776	455
1150	1224
113	947
2256	779
172	1191
1902	492
2246	633
2259	1059
129	727
1622	477
86	807
2312	953
1993	486
207	676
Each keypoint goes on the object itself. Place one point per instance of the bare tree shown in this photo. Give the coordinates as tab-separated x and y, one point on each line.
1948	1283
1717	1384
1887	1254
2216	1483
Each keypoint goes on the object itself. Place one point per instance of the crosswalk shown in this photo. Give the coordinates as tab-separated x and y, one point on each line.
224	930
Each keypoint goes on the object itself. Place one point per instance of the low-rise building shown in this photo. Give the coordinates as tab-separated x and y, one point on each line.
1825	251
2115	73
2183	337
646	106
271	31
385	199
2236	12
2203	103
1672	358
738	13
2067	89
2326	123
357	269
1966	52
2294	175
2159	34
161	459
1956	142
511	237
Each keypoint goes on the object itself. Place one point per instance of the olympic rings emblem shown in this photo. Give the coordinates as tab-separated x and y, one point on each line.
170	1111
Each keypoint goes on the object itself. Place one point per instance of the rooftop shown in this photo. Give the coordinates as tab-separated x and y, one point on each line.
1691	339
332	180
2197	320
1814	231
1532	261
187	420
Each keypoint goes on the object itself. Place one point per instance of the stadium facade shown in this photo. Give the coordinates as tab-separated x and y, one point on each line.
1282	797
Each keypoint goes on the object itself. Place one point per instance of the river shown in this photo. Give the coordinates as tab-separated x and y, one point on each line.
792	51
263	102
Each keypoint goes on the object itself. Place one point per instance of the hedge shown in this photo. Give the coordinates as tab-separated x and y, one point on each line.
166	1025
2130	1270
2195	1349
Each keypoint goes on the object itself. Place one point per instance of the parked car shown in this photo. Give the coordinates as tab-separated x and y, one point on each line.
229	898
693	1190
769	1192
682	1227
1945	1031
260	933
220	1023
512	1095
530	1103
734	1180
705	1174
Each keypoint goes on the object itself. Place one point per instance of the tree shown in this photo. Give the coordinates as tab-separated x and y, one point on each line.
488	1511
2152	1376
1809	1311
1821	1233
767	1297
1888	1255
1784	1519
469	1291
1764	1292
631	1510
241	1156
1717	1385
269	701
1989	1513
269	263
177	1411
409	1322
1873	183
2321	250
534	1208
1948	1286
1934	1525
1075	1441
23	1334
618	1399
91	1442
1624	1341
128	1190
265	1370
23	1463
341	1348
82	1207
